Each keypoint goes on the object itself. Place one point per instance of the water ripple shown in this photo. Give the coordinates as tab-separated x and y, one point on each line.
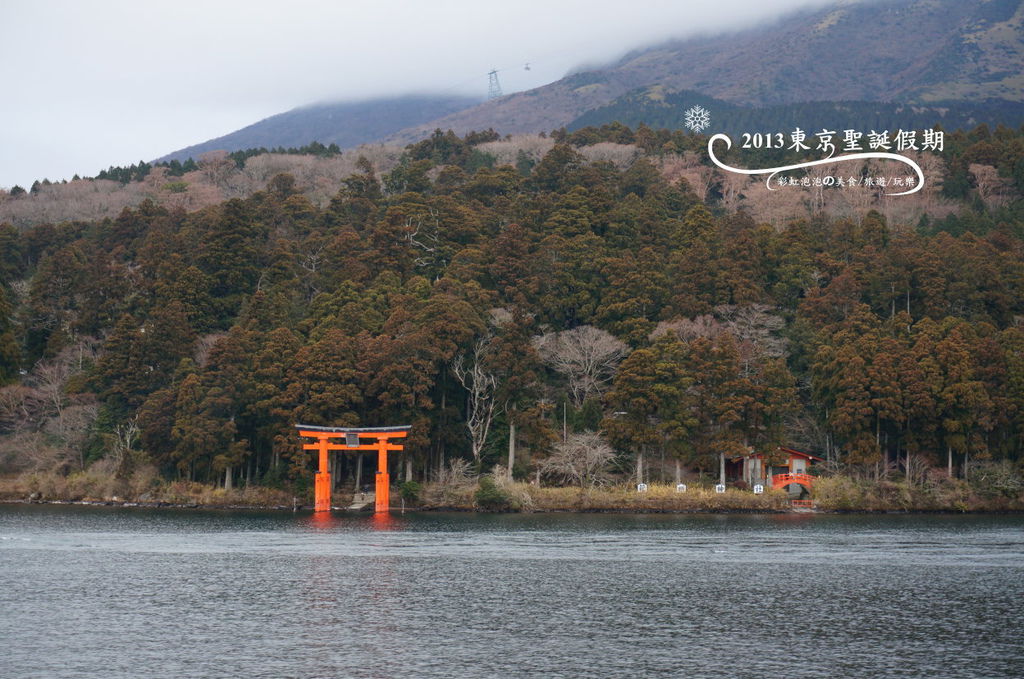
128	593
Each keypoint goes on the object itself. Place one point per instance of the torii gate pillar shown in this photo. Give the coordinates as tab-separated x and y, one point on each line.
322	487
353	442
382	488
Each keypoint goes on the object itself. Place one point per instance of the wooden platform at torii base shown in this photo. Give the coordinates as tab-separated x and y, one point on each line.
353	441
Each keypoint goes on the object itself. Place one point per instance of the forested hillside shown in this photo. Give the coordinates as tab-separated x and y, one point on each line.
599	283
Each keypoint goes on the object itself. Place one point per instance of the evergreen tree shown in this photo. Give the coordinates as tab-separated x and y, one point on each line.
10	355
231	255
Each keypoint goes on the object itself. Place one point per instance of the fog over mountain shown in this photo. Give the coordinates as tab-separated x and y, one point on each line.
958	63
109	83
345	124
915	51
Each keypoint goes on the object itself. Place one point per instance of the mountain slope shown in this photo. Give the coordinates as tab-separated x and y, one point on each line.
666	110
346	124
912	51
923	52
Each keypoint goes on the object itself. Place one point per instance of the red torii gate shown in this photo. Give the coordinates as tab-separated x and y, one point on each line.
353	441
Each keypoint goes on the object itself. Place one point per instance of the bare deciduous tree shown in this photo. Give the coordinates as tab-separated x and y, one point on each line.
704	326
30	451
754	326
122	443
581	459
55	424
619	155
776	206
480	386
586	355
74	426
733	188
506	151
817	176
457	473
216	166
700	175
992	188
204	345
426	237
50	378
21	407
93	199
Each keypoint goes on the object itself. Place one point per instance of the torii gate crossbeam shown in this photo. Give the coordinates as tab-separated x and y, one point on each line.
353	441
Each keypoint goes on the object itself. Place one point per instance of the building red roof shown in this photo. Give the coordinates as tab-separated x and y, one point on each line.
797	453
789	451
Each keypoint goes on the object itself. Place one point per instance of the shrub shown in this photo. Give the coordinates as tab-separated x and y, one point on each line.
454	486
997	480
516	494
176	187
410	491
488	496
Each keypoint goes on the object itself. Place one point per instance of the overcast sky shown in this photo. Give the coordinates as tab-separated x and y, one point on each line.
90	84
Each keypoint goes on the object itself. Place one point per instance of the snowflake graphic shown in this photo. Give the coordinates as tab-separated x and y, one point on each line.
697	118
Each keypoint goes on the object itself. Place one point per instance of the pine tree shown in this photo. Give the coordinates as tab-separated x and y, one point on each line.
12	263
231	254
10	354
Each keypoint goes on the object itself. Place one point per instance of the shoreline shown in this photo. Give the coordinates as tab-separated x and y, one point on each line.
490	494
127	504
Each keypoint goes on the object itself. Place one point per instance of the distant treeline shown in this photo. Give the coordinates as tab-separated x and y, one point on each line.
175	168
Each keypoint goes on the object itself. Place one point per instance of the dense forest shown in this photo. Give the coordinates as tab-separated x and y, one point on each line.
502	309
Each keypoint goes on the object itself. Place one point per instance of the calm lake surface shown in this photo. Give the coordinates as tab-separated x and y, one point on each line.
118	592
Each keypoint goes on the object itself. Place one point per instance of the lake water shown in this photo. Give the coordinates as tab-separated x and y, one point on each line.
117	592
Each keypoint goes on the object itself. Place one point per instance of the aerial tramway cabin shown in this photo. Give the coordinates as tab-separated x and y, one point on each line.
791	471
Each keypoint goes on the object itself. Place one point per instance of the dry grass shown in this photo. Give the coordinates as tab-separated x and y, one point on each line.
527	497
454	487
658	498
838	493
182	492
458	490
96	484
518	494
937	493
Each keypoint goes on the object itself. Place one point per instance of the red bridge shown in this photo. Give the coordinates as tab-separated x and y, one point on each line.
783	480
